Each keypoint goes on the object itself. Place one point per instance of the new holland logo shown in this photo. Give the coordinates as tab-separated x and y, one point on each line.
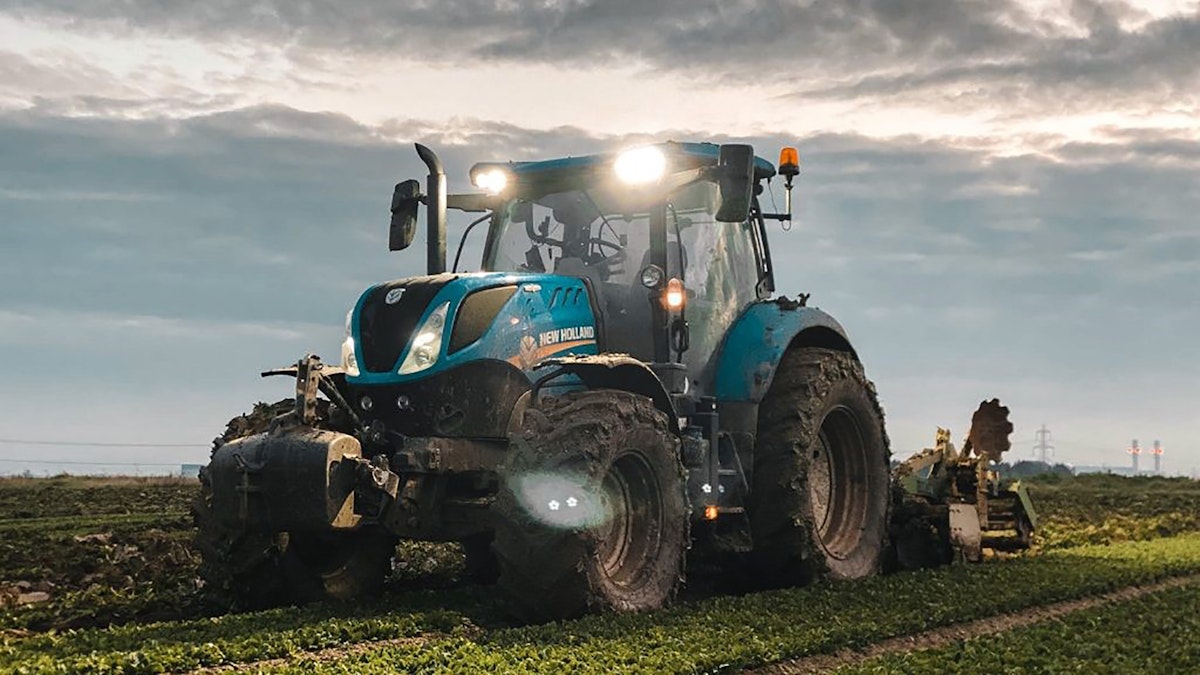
393	296
528	352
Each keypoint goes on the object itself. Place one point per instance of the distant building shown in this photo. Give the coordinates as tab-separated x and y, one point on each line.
190	470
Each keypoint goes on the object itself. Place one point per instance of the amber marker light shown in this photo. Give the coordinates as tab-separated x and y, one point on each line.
675	296
789	162
710	513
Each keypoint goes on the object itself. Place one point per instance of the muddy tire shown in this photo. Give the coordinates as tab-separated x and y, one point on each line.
253	570
592	513
820	498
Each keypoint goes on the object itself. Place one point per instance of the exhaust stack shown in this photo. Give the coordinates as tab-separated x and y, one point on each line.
435	188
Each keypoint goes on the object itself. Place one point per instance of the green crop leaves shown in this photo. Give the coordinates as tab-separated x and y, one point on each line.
453	635
122	579
1153	634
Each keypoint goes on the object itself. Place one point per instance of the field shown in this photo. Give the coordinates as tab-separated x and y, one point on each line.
97	575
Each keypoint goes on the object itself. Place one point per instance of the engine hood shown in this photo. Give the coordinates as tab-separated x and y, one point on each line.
520	319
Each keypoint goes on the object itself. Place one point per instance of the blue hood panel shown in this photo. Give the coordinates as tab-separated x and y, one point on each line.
548	315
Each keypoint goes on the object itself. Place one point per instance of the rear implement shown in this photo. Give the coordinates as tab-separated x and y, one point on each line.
954	504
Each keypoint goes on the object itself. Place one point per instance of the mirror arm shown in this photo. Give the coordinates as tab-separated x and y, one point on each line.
786	216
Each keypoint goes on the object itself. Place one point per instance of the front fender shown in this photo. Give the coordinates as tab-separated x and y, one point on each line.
615	371
756	342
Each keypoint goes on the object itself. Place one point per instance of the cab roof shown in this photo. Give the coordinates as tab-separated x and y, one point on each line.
569	170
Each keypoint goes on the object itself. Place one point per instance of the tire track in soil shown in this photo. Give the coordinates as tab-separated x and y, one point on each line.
947	635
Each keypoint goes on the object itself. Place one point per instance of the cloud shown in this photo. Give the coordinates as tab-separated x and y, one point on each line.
1004	57
136	252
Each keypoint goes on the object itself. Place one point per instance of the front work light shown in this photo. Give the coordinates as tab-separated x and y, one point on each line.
651	276
491	180
640	166
427	343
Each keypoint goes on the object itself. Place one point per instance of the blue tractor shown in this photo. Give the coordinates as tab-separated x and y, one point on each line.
618	390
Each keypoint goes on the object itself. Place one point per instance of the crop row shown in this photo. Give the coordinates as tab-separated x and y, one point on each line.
1152	634
90	497
44	524
461	630
1102	509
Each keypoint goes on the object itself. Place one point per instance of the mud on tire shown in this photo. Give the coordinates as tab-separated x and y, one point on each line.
253	570
820	498
592	512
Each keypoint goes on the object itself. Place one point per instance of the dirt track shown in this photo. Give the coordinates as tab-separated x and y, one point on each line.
939	637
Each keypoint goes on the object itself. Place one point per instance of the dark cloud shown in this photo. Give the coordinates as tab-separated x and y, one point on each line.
944	52
134	251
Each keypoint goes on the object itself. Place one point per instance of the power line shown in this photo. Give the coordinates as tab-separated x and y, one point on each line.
16	441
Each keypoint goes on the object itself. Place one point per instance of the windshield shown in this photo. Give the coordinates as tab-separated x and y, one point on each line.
604	233
606	237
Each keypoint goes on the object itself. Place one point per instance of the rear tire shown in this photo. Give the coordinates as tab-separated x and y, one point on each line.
820	499
252	570
592	512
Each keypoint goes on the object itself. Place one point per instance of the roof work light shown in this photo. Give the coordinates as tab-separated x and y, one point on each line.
640	166
490	179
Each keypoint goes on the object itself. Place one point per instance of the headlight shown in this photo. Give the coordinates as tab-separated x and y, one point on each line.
641	165
427	343
349	362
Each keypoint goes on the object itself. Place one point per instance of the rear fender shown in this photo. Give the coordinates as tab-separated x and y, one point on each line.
757	341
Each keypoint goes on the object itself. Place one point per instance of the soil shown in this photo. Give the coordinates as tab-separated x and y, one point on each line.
946	635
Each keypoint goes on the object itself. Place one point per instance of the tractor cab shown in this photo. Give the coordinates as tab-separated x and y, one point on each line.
668	240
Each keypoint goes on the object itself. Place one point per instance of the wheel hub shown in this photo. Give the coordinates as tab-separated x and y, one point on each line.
630	535
837	471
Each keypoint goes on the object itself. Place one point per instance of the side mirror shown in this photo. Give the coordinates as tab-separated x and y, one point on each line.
735	182
405	199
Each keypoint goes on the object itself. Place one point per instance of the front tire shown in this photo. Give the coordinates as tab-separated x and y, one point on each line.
820	501
592	513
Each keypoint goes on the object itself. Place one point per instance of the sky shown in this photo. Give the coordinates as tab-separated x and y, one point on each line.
998	198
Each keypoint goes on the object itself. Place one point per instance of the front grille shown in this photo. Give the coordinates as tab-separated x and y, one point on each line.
385	329
473	400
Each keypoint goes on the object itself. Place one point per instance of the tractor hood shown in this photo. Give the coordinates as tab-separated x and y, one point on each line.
415	327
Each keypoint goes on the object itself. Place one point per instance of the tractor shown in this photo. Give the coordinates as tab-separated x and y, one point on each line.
619	389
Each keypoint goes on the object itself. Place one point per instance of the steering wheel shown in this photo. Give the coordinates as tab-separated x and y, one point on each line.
609	260
604	242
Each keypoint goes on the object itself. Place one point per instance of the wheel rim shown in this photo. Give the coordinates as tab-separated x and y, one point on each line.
839	485
629	538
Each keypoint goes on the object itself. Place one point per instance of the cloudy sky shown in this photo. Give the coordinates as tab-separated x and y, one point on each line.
999	197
